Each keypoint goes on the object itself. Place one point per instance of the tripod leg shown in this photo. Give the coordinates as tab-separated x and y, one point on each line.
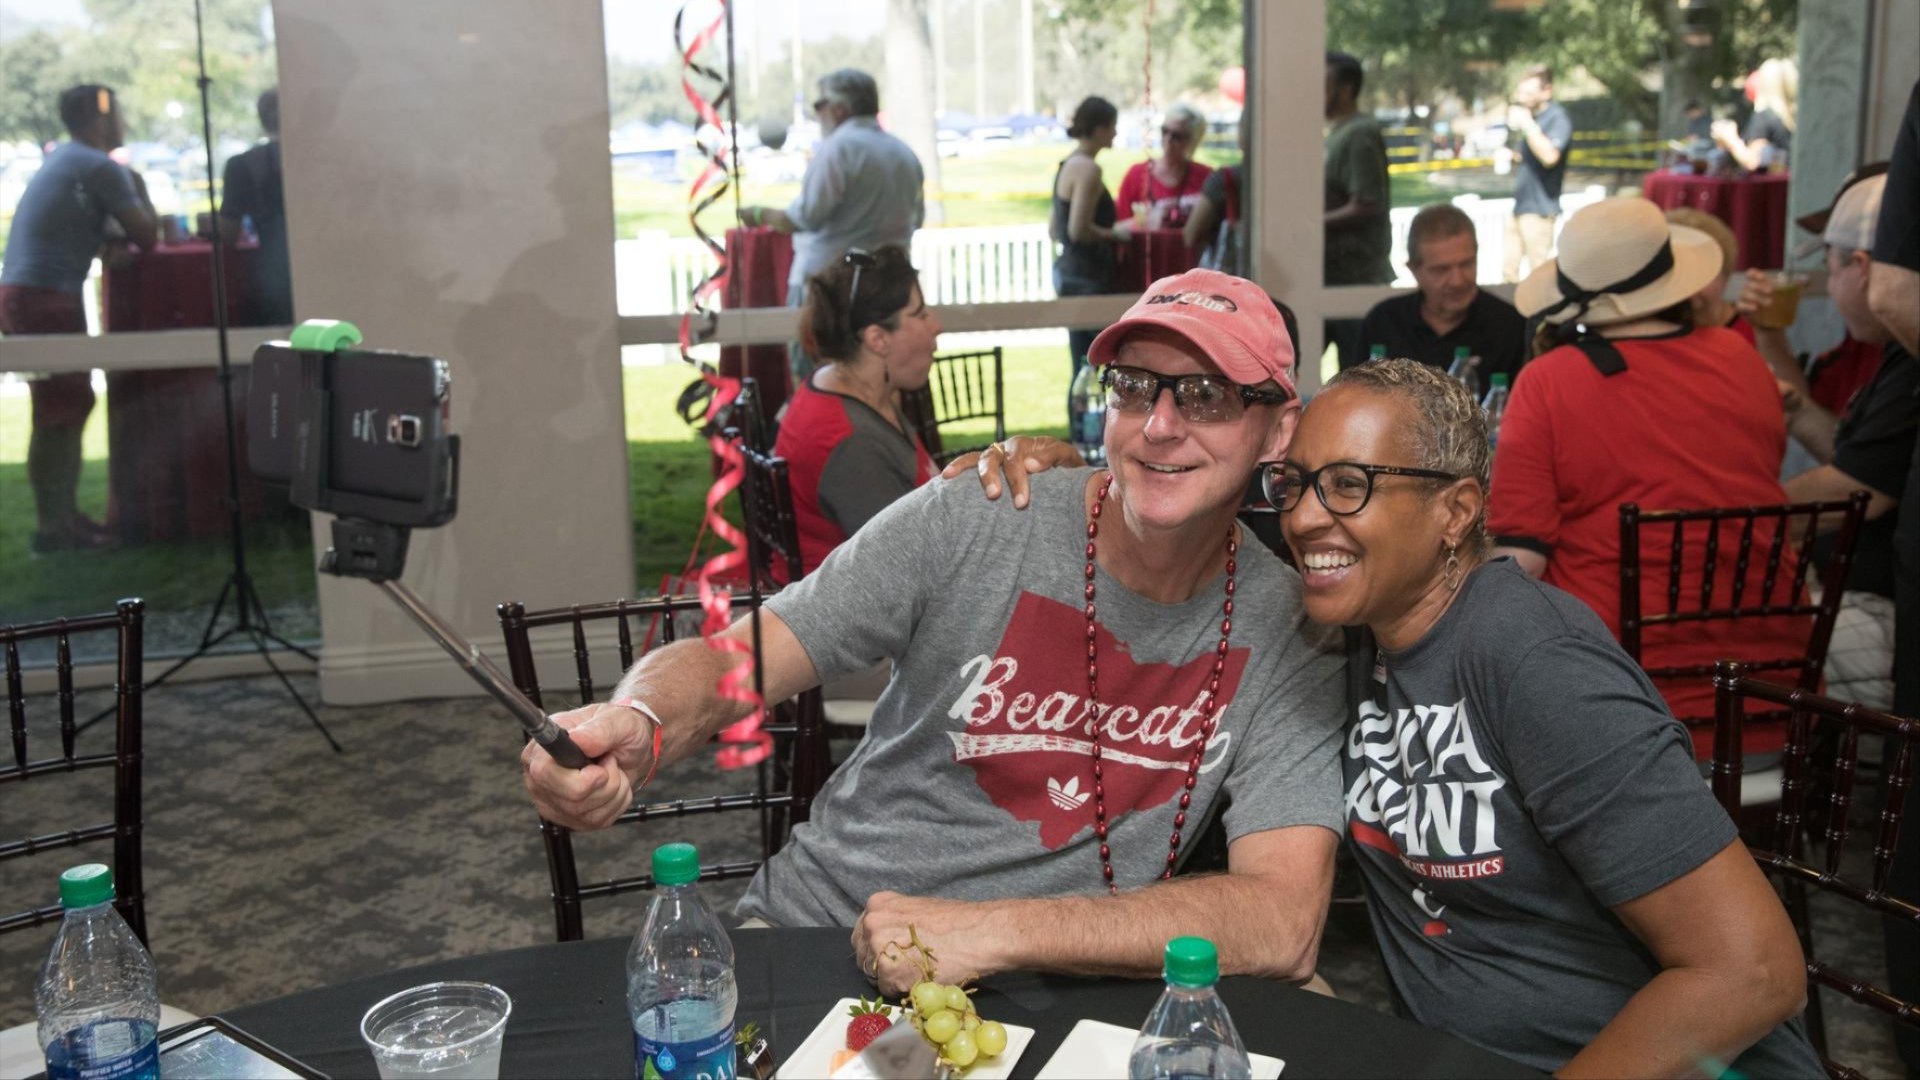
266	654
250	597
205	644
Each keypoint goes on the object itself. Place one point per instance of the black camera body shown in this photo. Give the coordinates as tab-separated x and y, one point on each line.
358	433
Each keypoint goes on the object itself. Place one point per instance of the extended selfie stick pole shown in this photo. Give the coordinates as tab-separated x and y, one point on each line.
377	552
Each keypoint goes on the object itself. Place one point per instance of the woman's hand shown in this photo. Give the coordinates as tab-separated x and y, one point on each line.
1756	292
1011	461
1122	231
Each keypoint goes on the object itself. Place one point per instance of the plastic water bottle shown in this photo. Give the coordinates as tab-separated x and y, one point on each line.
1466	368
1189	1033
680	989
1376	352
98	1002
1496	407
1087	415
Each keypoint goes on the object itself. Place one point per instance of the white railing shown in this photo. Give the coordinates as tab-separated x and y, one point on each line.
1003	264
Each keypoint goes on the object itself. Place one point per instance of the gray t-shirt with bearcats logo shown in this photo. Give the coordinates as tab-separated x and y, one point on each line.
975	779
1511	778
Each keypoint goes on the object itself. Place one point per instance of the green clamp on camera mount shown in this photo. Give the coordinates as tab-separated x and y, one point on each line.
324	335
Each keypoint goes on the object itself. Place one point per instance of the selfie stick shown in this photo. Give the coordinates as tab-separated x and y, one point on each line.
551	736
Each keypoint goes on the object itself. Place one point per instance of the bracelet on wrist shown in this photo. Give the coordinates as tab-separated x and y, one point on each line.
653	764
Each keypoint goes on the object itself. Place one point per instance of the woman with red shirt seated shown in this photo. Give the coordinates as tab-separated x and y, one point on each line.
1636	404
1171	183
850	452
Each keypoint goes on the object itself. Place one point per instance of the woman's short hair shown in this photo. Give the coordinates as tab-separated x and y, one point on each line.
830	326
1182	113
1091	115
1450	434
853	88
1694	218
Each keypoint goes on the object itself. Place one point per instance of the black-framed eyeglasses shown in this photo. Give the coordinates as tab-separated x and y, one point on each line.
859	260
821	103
1201	399
1175	134
1344	487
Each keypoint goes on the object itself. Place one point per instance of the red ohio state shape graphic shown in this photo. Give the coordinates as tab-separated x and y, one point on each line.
1028	733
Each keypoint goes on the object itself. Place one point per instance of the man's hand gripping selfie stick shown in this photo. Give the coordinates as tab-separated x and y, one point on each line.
370	532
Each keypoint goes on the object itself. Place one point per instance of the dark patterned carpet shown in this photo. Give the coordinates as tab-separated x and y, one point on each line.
274	864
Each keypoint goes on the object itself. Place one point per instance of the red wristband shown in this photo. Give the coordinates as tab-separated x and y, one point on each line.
653	765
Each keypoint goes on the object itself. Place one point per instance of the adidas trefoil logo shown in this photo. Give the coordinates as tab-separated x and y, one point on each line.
1067	796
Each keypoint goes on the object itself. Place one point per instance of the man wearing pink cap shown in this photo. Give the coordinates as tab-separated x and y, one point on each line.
1078	689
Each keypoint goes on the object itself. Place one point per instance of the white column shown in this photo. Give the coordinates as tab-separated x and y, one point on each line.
448	192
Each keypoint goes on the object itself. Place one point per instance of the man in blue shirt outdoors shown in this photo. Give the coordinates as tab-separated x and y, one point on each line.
58	227
862	189
1546	135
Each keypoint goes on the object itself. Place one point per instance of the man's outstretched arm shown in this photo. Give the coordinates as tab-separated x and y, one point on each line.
1264	914
679	683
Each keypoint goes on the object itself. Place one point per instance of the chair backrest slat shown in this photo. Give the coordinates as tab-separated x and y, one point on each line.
582	660
124	828
1732	688
1675	554
1741	562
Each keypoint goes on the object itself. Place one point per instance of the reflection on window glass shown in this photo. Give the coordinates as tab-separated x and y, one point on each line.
1519	113
983	92
114	484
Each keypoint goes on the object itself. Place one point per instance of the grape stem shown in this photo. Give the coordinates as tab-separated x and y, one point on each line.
923	959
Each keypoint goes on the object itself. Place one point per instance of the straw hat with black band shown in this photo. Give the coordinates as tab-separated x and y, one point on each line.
1618	261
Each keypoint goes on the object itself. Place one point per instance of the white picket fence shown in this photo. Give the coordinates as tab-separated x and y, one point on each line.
1001	264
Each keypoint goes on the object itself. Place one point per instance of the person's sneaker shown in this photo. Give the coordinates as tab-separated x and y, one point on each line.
85	535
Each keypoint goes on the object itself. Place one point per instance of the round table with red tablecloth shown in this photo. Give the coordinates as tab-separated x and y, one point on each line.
758	261
166	430
1754	207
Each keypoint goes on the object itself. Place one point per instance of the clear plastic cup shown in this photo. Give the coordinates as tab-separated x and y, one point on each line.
1784	305
445	1030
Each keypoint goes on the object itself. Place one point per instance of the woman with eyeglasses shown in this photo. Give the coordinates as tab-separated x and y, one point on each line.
1546	873
1084	222
1168	186
850	451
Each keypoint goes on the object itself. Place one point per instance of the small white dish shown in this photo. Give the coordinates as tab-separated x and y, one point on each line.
1097	1051
813	1058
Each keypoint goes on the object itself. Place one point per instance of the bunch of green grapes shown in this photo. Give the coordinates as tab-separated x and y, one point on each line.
945	1017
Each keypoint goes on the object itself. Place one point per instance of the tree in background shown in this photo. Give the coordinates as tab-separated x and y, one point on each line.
907	96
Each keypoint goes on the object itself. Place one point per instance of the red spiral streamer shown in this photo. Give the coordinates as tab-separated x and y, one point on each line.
743	743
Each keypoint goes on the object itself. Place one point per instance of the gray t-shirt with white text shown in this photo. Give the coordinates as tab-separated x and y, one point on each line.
974	780
1511	778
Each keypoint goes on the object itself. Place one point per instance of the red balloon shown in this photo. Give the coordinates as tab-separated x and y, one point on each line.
1233	83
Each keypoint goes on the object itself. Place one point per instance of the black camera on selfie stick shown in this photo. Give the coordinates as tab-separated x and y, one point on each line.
363	434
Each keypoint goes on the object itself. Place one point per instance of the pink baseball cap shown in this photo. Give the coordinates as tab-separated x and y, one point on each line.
1230	319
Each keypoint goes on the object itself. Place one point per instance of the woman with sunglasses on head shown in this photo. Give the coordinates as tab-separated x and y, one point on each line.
849	449
1171	183
1546	874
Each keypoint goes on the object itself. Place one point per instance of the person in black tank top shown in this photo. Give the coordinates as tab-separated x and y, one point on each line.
1084	220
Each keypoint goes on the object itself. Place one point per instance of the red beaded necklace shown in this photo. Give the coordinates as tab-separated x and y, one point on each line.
1093	700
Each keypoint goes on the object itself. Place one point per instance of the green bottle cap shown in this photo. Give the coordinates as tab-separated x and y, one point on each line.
1376	352
324	335
1498	380
676	864
86	885
1192	961
1461	352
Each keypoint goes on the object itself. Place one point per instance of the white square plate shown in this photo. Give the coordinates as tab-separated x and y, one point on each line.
1097	1051
813	1057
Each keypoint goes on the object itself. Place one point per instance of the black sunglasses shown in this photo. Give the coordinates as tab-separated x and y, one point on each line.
1344	487
1176	134
821	104
859	260
1201	399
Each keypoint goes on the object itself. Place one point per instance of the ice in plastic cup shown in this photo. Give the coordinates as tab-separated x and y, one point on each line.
1784	305
445	1030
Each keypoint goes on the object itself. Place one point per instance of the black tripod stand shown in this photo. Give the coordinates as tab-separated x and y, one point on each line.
250	616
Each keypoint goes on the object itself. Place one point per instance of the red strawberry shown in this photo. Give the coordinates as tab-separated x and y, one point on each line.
869	1020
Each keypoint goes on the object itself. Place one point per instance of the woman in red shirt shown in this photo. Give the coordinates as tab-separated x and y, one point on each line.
1637	405
850	452
1171	183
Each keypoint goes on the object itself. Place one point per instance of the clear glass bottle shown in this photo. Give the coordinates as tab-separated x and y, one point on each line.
681	993
97	999
1087	415
1188	1033
1496	407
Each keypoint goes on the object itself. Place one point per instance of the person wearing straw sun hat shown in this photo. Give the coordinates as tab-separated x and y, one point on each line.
1630	402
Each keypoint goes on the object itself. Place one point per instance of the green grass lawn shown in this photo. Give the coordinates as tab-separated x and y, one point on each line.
669	475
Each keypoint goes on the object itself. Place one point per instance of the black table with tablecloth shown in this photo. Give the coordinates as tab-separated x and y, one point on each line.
570	1015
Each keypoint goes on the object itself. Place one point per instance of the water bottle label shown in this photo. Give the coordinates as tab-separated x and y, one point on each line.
1093	426
106	1050
711	1058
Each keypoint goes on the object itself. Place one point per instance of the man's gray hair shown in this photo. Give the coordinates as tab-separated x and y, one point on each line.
1181	112
1451	435
853	88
